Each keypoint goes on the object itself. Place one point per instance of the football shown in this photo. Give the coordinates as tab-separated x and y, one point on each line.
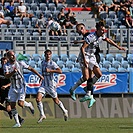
54	26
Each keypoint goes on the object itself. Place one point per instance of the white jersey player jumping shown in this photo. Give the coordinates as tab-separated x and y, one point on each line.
87	58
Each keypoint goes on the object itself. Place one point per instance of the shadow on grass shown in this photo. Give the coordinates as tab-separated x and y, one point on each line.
126	127
33	126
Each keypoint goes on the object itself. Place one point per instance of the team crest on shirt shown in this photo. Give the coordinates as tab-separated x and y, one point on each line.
104	82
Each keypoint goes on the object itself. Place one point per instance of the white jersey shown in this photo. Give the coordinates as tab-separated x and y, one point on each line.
93	41
17	80
48	77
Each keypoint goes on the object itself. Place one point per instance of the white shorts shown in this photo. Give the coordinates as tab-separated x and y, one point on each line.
91	59
47	89
16	94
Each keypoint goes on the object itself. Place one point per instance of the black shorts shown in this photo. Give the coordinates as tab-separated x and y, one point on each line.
97	57
3	96
97	54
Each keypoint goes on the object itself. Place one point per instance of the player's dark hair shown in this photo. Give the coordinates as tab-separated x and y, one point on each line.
48	50
8	53
79	25
3	58
99	24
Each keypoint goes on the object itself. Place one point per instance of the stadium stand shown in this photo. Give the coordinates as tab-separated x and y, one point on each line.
116	64
112	15
108	22
43	7
66	69
29	57
75	69
102	58
130	69
17	21
119	57
73	57
110	57
26	21
55	57
106	64
60	64
36	35
103	15
130	59
103	69
64	58
125	64
32	63
121	69
69	64
34	7
112	69
36	57
76	65
3	26
38	69
39	64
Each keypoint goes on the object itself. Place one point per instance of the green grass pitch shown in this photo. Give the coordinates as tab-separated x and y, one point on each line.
73	125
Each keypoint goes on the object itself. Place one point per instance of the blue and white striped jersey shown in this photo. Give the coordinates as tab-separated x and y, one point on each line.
48	77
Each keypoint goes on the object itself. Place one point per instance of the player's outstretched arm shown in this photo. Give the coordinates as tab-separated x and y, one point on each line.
34	71
114	44
78	41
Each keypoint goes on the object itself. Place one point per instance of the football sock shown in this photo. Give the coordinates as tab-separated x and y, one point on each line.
94	79
26	104
19	117
15	115
40	108
60	104
79	82
90	86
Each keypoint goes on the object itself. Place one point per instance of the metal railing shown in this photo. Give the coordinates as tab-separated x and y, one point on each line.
26	42
123	37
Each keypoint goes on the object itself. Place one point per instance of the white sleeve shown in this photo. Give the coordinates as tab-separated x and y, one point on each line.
24	64
55	65
6	70
104	37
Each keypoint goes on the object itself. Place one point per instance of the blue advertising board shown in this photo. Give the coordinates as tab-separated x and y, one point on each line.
6	45
108	83
112	83
32	83
130	81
